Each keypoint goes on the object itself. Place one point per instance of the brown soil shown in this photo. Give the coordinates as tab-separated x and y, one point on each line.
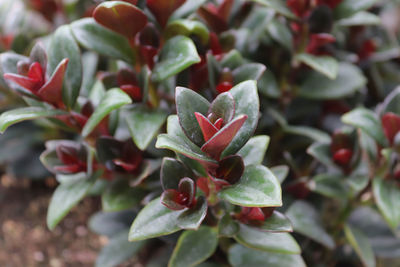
24	237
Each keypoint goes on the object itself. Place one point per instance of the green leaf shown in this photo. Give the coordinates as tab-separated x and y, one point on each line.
66	196
157	220
348	81
228	227
258	187
111	223
368	122
361	18
14	116
188	8
63	45
246	102
276	223
194	247
324	64
279	6
387	197
144	124
361	245
280	172
177	141
118	250
240	256
187	103
250	71
177	54
305	220
281	33
120	196
172	171
349	7
254	150
322	153
106	42
8	64
312	133
187	28
113	99
272	242
330	185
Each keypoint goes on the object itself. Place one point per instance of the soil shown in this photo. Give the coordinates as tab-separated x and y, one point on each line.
24	237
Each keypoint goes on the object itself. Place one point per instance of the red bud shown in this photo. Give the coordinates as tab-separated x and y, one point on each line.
343	156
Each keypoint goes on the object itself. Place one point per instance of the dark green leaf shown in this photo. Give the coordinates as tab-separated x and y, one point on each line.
111	223
368	122
258	187
280	172
172	171
120	196
177	54
113	99
360	244
253	151
227	226
95	37
281	33
276	223
347	82
66	196
118	250
187	103
144	124
63	45
387	197
330	185
305	220
250	71
324	64
240	256
361	18
322	153
194	247
349	7
14	116
246	102
272	242
279	6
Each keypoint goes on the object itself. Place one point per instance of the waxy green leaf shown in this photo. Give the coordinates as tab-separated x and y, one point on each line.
349	79
177	54
14	116
253	151
187	28
157	220
120	196
194	247
326	65
361	18
247	103
144	124
258	187
113	99
66	196
240	256
368	122
305	220
172	171
118	250
279	6
387	196
187	103
361	245
95	37
276	223
272	242
63	45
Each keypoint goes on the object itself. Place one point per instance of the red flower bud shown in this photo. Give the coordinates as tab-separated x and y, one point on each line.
391	125
343	156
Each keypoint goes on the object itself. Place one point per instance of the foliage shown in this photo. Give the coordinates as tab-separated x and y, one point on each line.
165	109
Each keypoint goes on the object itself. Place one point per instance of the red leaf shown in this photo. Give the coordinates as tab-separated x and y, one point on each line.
222	139
123	18
319	40
73	168
223	87
225	9
207	128
216	23
23	81
391	125
51	92
36	73
202	183
162	9
248	215
133	91
67	154
171	198
188	189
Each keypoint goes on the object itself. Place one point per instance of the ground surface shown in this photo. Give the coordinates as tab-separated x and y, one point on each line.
24	238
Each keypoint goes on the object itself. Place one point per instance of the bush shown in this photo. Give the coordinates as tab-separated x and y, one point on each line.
165	110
